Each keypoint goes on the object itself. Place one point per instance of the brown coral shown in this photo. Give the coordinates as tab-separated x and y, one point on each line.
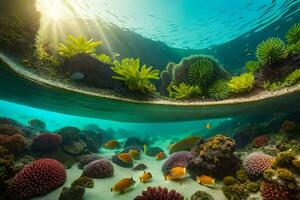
260	141
14	143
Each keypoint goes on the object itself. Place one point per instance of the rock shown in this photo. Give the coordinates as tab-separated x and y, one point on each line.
8	129
153	151
77	76
186	144
75	147
140	167
133	141
86	159
244	134
72	193
94	140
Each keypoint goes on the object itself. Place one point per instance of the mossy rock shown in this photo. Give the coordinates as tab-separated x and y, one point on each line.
185	144
252	186
229	180
84	181
241	175
235	192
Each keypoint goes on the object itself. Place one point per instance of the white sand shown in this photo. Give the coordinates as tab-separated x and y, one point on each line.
101	190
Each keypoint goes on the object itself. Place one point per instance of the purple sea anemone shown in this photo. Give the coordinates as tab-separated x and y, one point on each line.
256	163
158	193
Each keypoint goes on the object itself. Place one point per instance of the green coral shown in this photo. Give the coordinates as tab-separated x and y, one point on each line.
270	51
201	72
241	175
219	90
292	78
284	159
84	182
252	66
184	91
293	34
201	195
235	192
252	186
229	180
136	78
241	83
76	45
269	173
285	174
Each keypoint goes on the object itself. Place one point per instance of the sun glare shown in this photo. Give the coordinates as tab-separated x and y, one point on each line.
52	9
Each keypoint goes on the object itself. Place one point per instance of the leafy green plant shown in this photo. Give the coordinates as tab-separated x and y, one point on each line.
135	77
75	45
201	72
252	66
184	91
241	83
272	86
104	58
270	51
293	49
292	78
293	34
219	90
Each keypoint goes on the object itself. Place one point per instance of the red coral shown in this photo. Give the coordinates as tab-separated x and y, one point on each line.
273	191
260	141
13	143
46	142
256	163
155	193
37	178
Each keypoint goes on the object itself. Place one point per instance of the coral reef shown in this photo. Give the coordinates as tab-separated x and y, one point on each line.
86	159
284	159
177	159
7	170
184	144
229	180
9	129
123	160
201	195
255	163
154	193
252	187
72	193
235	192
241	175
37	178
214	157
260	141
285	174
83	181
46	142
201	72
98	169
166	78
14	143
271	191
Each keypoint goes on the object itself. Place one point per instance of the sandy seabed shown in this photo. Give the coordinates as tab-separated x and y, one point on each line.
101	189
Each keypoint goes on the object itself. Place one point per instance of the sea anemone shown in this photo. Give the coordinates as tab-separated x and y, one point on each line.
201	72
155	193
293	34
256	163
271	191
241	83
37	178
98	169
270	51
219	90
177	159
46	142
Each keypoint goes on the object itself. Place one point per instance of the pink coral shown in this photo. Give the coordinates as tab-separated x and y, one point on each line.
46	142
98	169
260	141
273	191
37	178
257	162
155	193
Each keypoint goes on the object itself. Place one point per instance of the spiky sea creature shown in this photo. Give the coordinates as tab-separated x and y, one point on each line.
293	35
219	90
201	72
270	51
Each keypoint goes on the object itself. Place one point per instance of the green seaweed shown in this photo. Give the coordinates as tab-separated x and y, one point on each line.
201	72
292	78
293	34
241	83
219	90
137	78
104	58
293	49
252	66
184	91
271	51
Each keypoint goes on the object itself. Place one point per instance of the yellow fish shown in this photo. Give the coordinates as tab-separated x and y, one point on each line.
123	185
145	177
205	180
208	126
176	173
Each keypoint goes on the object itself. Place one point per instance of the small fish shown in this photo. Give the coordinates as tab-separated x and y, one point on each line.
37	124
125	157
111	144
208	126
123	185
176	173
145	177
77	76
160	156
134	154
205	180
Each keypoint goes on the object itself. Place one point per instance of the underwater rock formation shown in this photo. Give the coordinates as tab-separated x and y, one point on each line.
214	157
123	160
14	143
153	151
256	163
71	141
260	141
154	193
185	144
132	147
134	141
9	129
98	169
72	193
166	78
37	178
92	139
177	159
201	195
244	134
7	168
140	167
86	159
83	181
46	142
